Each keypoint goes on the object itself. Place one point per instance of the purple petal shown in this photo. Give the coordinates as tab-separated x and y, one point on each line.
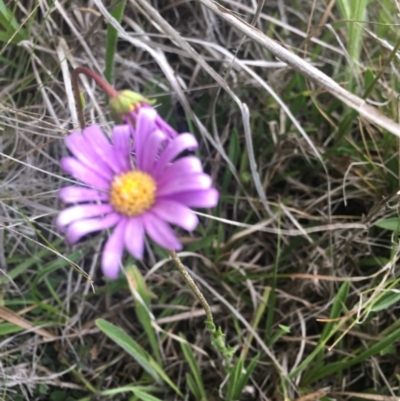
83	173
113	250
78	146
204	198
122	145
160	232
145	125
130	121
184	183
80	212
174	148
175	213
185	165
160	123
134	237
80	228
165	127
146	158
102	147
75	193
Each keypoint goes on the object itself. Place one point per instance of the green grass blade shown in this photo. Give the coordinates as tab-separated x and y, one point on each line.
7	328
355	13
337	307
112	37
328	331
12	30
239	378
139	392
391	224
246	376
234	380
272	295
385	301
142	306
358	13
279	333
145	396
130	346
26	264
141	356
194	389
197	384
257	318
375	349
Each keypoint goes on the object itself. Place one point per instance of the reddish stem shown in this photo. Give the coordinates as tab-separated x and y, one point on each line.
107	88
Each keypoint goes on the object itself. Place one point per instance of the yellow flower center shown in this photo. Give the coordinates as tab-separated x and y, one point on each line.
133	193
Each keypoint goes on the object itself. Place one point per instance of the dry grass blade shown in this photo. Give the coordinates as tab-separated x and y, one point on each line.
62	53
363	396
12	317
370	113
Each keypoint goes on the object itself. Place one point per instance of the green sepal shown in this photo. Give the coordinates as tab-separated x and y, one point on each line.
126	101
218	342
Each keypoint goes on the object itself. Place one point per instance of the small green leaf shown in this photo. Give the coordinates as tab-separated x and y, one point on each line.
112	38
142	357
194	389
145	396
245	177
239	378
368	78
12	29
385	301
234	381
374	349
390	350
43	388
326	334
26	264
9	328
196	386
337	307
285	329
392	224
141	295
130	346
246	376
57	395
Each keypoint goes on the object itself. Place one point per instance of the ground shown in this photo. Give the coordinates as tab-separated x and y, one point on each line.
298	261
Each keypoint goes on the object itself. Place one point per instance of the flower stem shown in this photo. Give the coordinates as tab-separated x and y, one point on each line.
107	88
189	281
218	337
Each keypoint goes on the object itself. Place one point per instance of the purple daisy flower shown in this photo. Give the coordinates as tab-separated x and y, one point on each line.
134	194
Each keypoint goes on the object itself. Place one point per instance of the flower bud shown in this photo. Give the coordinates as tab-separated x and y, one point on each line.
125	102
